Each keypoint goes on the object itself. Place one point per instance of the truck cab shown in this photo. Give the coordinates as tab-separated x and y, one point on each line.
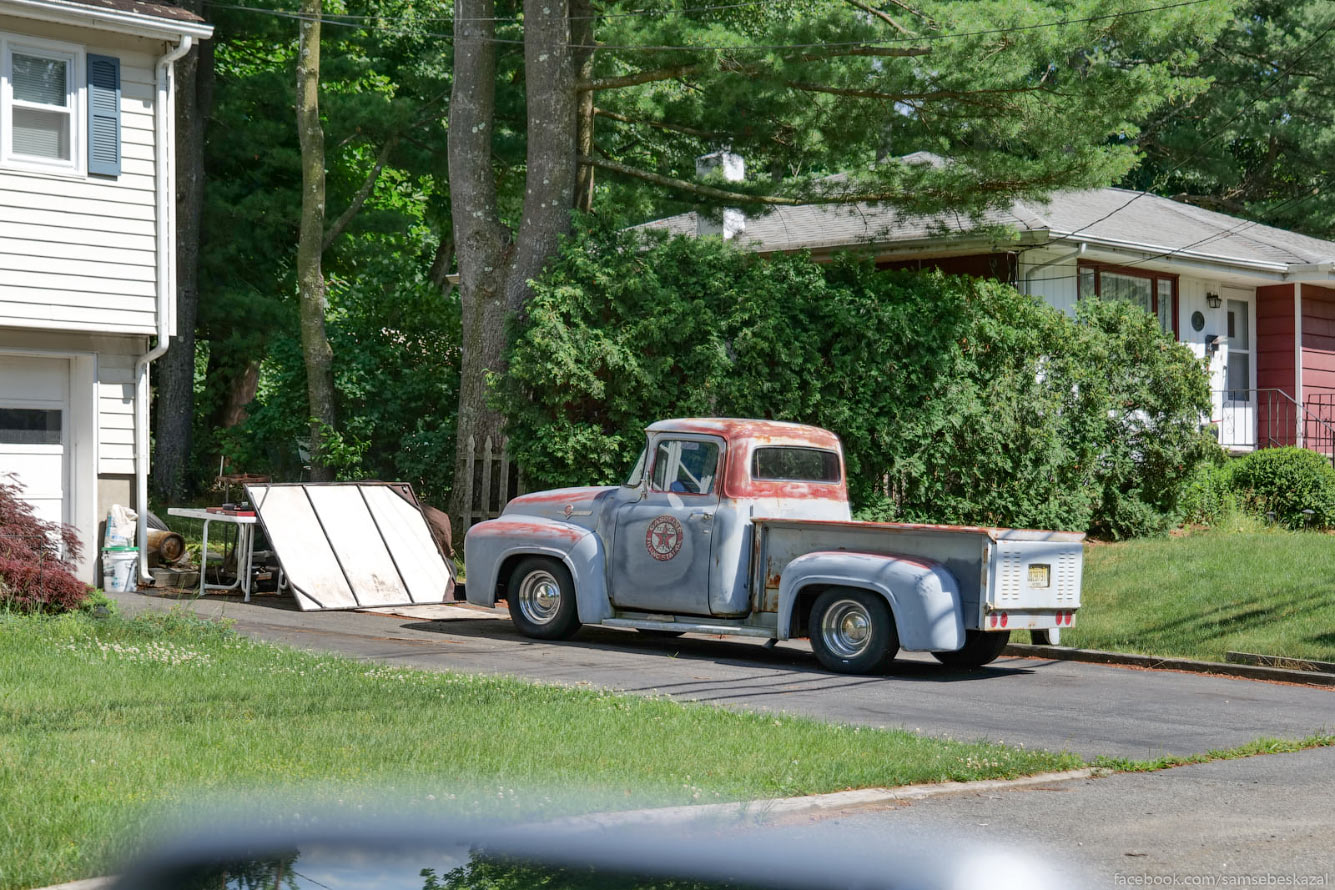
715	530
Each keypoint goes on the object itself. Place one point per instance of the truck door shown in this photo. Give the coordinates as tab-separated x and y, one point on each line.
662	542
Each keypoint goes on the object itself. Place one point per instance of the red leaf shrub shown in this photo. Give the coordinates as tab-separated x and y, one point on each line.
37	558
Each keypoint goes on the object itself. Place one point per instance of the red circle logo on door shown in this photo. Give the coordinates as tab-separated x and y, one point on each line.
663	540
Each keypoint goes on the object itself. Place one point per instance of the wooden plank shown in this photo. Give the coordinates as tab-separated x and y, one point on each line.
293	528
356	542
505	475
418	560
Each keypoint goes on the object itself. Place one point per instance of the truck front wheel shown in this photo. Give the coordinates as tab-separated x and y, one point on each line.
852	631
541	597
980	648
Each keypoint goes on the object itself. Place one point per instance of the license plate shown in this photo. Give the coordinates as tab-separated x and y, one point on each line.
1040	576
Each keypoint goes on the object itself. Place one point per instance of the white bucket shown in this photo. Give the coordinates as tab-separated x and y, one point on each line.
120	566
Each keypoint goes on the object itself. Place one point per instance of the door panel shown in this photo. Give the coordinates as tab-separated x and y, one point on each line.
662	542
34	431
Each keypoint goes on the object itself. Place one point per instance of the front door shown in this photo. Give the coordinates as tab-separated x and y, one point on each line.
1238	424
662	541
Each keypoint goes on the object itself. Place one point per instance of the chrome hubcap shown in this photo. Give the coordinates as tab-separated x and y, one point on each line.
846	628
540	597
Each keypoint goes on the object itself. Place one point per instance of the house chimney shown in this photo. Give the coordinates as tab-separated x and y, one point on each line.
733	222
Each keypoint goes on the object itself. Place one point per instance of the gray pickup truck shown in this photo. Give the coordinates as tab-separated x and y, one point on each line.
742	527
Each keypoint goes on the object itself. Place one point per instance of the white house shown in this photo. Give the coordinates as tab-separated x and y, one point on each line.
87	246
1257	302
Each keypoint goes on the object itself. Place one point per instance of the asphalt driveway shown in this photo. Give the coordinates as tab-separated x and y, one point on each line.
1088	709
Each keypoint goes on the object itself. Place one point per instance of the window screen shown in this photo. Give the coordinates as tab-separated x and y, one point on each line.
41	106
29	426
795	464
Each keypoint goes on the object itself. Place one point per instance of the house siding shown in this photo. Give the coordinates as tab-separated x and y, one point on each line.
79	254
1276	416
1318	339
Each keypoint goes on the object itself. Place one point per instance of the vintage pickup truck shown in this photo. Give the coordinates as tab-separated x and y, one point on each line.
742	527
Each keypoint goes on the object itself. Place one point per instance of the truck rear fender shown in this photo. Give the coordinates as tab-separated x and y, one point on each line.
494	547
923	595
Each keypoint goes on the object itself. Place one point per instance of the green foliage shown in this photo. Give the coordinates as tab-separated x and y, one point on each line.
1258	143
957	400
1286	482
397	380
1209	500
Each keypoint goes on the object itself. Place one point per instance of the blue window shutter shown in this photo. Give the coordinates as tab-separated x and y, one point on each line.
104	115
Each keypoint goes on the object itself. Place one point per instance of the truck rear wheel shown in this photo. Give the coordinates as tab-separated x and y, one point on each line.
980	648
541	597
852	631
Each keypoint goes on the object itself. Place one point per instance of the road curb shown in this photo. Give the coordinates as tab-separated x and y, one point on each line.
1156	662
755	810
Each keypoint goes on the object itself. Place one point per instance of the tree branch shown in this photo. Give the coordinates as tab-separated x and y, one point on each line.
1001	186
359	199
930	96
675	128
675	71
880	15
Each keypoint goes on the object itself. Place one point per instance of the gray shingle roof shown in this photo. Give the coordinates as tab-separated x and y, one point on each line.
1148	221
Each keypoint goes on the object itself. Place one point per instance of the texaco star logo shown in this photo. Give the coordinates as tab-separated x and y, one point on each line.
663	540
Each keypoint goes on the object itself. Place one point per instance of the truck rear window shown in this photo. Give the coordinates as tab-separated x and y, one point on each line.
795	464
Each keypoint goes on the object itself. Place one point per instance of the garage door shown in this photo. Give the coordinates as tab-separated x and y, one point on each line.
34	431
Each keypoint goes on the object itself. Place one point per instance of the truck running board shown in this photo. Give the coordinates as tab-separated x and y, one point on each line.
736	630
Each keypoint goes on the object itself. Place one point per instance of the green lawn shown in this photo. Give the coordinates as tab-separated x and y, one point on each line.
1266	591
104	723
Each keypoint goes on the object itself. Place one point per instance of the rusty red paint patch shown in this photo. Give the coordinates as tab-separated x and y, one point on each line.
512	528
559	495
664	537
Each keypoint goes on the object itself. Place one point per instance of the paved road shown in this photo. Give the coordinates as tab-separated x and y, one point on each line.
1203	825
1088	709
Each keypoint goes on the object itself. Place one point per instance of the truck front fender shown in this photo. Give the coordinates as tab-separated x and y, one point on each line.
924	598
489	544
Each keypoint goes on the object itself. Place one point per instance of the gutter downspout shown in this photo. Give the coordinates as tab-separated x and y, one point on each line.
164	139
1029	276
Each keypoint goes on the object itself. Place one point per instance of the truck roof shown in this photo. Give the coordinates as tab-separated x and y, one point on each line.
774	432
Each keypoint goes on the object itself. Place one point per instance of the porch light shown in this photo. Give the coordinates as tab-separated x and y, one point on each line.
1214	301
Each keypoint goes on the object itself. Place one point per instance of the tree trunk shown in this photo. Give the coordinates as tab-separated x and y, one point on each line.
549	184
315	347
176	370
581	30
481	239
242	391
494	270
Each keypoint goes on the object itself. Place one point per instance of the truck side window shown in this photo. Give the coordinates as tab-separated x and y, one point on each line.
791	464
684	466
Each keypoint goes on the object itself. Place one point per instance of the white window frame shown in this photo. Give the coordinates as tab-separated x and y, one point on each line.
76	94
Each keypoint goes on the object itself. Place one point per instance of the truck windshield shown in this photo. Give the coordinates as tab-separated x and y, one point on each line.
795	464
638	473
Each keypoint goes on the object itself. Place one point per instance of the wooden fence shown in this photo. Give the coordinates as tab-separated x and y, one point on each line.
490	481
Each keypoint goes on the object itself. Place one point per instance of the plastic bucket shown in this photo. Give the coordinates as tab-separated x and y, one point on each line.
120	568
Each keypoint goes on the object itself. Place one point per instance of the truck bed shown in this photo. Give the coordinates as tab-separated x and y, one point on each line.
997	570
